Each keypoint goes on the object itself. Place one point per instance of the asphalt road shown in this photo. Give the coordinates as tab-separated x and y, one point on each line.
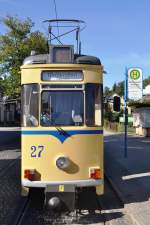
130	175
108	210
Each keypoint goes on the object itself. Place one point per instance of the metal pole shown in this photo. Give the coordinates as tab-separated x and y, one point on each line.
50	34
126	115
78	38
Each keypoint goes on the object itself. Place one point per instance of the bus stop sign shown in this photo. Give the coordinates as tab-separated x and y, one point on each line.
135	84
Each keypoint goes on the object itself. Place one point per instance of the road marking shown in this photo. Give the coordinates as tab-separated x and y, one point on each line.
129	177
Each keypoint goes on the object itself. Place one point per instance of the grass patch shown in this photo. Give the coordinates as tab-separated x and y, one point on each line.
117	127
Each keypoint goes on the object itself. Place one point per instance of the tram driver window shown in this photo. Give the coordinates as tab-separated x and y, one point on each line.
62	108
30	103
93	105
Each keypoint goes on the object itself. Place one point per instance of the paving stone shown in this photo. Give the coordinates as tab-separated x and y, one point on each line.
10	197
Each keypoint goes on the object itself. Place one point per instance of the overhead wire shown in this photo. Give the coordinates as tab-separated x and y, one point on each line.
64	34
78	29
55	37
56	14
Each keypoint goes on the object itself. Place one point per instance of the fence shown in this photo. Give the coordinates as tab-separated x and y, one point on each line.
9	113
117	127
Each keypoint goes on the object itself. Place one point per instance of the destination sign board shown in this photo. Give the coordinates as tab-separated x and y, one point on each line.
62	75
135	84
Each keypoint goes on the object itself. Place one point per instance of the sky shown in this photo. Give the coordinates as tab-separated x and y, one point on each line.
118	31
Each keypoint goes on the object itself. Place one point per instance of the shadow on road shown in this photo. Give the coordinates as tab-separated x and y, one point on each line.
130	175
10	140
88	211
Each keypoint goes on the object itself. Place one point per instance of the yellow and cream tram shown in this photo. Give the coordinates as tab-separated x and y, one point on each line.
62	133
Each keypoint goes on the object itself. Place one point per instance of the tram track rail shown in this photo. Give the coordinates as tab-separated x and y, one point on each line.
105	214
22	212
48	217
101	215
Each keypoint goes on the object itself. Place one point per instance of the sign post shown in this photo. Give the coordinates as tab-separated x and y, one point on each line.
126	115
133	90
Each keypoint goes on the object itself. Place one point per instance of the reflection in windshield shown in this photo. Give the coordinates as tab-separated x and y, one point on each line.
62	108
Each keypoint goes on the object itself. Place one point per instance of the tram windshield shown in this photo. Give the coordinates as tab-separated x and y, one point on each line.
62	108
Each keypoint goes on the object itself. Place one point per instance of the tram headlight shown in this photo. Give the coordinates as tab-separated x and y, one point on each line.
63	162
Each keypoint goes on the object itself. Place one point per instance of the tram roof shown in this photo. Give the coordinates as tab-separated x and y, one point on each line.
62	66
45	59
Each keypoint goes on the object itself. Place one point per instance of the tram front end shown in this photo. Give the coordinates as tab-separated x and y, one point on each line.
62	133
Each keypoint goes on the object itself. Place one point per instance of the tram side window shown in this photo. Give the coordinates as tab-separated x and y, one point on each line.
93	105
30	104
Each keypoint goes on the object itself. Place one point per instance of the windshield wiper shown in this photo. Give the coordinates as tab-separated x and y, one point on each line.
62	132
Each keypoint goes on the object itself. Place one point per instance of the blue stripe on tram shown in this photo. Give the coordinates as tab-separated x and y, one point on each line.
61	136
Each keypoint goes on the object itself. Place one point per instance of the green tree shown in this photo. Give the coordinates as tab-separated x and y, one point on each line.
15	45
146	81
114	88
118	88
107	91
